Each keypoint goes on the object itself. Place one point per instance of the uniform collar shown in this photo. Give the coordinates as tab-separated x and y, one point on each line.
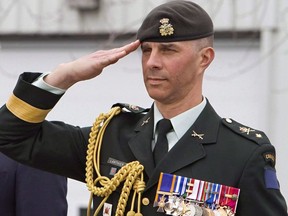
182	122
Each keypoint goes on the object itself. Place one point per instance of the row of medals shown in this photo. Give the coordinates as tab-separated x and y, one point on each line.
178	206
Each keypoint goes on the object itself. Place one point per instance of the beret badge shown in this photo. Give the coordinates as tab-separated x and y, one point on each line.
166	28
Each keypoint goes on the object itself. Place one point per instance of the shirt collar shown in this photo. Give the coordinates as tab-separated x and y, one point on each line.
182	122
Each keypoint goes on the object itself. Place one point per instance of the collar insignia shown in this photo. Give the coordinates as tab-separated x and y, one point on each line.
200	136
166	28
145	121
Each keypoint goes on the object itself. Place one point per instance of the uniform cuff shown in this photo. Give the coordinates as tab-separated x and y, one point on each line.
30	103
40	83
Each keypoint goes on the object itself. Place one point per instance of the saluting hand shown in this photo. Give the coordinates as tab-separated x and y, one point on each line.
87	67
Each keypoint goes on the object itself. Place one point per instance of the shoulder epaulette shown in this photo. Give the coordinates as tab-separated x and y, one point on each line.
257	136
131	108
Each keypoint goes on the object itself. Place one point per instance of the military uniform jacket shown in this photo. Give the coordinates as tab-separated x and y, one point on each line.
229	153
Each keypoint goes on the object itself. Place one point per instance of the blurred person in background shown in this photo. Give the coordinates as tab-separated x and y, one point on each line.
26	191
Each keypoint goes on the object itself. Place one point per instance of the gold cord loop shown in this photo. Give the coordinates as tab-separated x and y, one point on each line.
131	173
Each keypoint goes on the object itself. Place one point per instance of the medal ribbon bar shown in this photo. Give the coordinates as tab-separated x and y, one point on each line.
175	194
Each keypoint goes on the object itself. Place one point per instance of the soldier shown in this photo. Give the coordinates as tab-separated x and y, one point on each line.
123	153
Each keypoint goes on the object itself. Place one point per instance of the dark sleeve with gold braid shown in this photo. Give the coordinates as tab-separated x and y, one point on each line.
26	137
31	106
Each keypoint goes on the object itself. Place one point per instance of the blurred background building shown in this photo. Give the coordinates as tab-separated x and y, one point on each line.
247	81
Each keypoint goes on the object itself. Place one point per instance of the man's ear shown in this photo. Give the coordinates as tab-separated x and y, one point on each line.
207	55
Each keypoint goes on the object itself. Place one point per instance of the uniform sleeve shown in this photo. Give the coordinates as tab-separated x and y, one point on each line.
260	190
27	137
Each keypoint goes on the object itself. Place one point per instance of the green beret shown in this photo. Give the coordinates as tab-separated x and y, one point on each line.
176	21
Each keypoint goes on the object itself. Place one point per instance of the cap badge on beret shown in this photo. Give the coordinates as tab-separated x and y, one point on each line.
166	28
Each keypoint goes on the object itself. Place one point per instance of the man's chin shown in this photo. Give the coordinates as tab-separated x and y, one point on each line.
157	96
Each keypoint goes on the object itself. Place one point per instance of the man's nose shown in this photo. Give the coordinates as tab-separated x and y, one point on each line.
154	60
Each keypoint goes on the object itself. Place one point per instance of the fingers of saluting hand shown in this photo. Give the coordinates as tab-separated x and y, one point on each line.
87	67
104	58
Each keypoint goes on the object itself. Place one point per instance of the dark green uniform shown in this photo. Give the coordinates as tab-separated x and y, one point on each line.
229	153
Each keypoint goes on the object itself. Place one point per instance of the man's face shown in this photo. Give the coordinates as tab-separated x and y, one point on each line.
172	71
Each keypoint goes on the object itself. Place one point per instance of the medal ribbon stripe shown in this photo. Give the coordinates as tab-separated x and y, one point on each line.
177	185
226	197
192	189
200	191
173	183
219	195
166	186
222	195
217	201
194	194
189	189
232	201
184	185
208	191
216	195
211	199
180	185
166	182
158	189
203	196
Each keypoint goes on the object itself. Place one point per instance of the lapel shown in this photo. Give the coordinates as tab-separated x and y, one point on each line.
188	149
140	144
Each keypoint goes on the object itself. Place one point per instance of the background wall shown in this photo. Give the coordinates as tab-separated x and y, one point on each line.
247	81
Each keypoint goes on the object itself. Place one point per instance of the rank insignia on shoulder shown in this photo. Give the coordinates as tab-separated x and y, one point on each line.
131	108
255	135
178	195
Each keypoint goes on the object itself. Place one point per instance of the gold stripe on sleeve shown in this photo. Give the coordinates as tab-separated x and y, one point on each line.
25	111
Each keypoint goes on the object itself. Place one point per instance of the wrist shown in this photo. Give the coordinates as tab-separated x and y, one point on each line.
61	77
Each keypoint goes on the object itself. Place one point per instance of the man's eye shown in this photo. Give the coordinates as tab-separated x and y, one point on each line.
168	50
146	50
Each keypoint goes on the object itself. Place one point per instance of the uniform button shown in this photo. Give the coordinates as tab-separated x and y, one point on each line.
228	120
145	201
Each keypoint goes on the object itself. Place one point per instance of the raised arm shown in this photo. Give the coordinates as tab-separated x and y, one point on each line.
87	67
54	146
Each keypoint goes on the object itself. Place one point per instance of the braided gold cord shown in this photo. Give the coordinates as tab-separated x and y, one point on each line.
131	173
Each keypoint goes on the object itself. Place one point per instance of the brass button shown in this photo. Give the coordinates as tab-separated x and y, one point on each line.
145	201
